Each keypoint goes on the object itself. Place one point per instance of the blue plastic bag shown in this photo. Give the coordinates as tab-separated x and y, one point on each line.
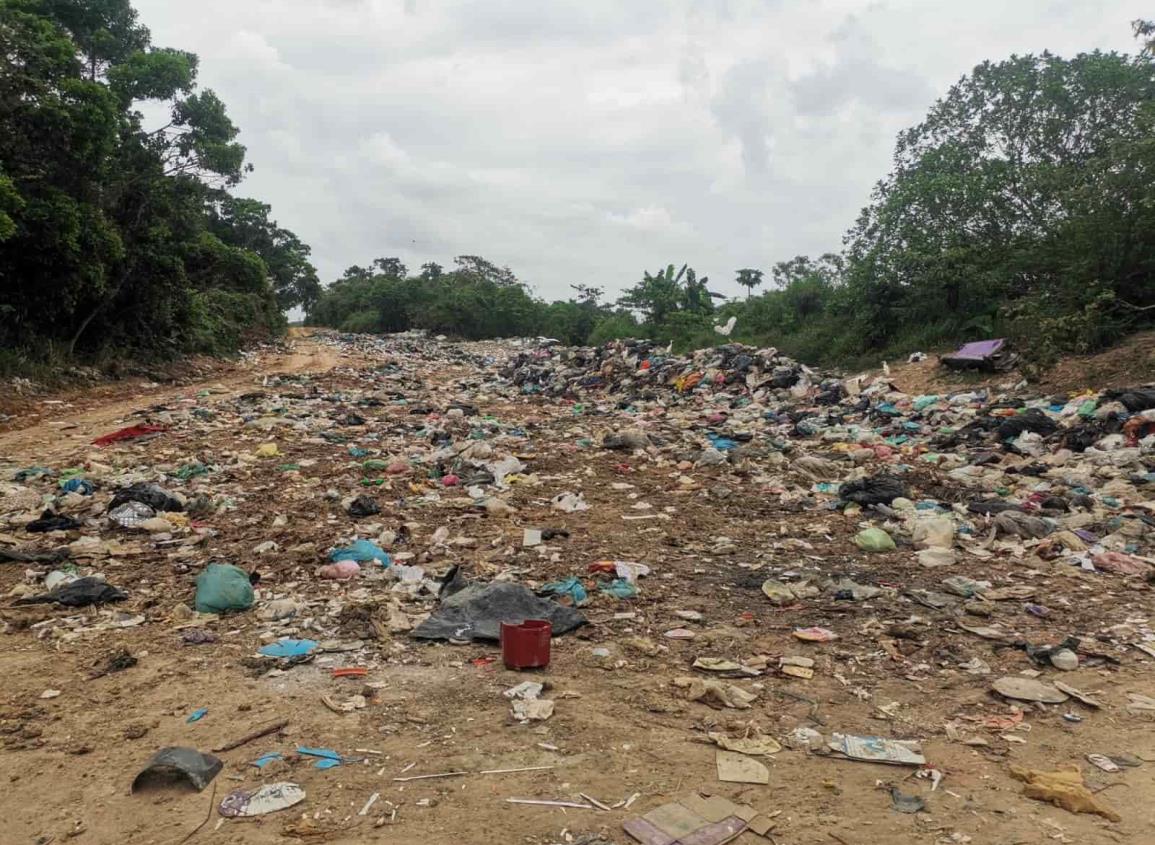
288	648
328	757
361	551
620	588
78	485
722	444
571	587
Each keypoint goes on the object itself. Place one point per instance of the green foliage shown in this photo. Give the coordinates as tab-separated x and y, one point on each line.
613	327
219	321
1027	185
749	279
113	237
475	300
10	202
658	297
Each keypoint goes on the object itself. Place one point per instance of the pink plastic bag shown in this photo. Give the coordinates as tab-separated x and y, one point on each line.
342	571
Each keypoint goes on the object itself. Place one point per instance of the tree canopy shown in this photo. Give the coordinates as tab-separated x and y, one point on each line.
113	234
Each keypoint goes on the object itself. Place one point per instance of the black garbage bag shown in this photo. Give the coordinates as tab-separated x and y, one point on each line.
79	593
1032	420
51	521
783	377
990	507
1138	399
153	495
1081	437
364	506
22	556
475	611
878	490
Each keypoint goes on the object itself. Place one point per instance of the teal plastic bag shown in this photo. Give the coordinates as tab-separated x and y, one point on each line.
620	588
223	588
571	587
361	551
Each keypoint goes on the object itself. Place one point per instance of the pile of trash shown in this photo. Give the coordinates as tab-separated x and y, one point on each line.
642	368
649	507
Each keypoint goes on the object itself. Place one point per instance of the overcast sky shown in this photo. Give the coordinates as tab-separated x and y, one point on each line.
587	140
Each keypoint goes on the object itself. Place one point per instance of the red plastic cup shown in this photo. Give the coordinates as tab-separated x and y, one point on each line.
525	645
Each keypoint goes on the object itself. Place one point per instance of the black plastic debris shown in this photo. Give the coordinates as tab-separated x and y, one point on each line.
1032	420
988	508
79	593
476	611
176	766
1135	400
878	490
364	506
153	495
21	556
51	521
906	803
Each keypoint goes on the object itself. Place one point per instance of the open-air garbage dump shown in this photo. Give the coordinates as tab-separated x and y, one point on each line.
400	589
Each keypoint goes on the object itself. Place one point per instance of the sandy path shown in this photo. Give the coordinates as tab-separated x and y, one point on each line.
60	430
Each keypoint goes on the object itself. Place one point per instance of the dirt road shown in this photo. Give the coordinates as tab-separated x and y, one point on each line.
59	430
74	739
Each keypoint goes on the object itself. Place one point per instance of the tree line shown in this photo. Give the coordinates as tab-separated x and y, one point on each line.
118	237
1022	205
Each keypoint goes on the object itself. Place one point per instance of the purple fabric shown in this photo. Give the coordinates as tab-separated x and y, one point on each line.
646	833
979	350
715	834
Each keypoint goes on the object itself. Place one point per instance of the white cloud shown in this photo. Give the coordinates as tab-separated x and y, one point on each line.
587	140
652	218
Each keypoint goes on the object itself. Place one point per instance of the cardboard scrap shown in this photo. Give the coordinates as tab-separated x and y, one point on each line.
713	809
675	820
715	693
697	820
740	768
757	746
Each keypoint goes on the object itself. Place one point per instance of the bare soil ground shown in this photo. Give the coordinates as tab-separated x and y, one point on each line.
620	727
1125	365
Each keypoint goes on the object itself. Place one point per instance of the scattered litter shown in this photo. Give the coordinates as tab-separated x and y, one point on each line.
289	649
269	798
176	766
476	611
1064	788
906	803
1028	689
739	768
873	749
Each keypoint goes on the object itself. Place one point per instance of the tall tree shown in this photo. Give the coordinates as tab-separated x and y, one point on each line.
1027	181
114	234
749	279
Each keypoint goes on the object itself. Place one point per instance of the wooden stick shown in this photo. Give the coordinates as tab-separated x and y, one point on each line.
538	803
594	801
372	800
195	830
428	777
257	734
511	771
